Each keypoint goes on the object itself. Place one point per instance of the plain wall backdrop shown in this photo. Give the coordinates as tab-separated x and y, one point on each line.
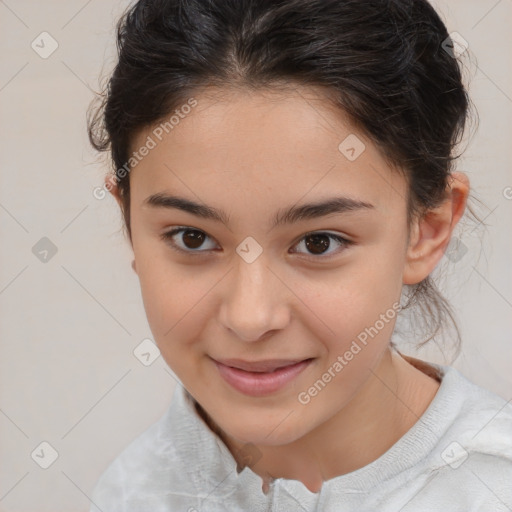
71	317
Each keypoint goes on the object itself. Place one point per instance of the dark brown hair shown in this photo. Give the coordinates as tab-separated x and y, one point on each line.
382	62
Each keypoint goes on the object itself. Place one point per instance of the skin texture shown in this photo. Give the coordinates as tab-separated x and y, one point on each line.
252	154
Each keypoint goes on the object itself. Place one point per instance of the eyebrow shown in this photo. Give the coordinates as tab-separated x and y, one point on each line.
290	215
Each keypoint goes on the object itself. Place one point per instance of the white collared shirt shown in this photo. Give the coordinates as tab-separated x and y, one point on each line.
456	457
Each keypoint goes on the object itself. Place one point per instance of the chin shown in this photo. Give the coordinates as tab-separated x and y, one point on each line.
266	433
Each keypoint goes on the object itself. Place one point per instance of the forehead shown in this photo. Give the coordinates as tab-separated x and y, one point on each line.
280	144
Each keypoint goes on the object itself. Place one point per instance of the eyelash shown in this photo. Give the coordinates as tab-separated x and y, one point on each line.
167	237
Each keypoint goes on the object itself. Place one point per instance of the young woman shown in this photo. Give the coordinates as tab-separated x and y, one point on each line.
285	170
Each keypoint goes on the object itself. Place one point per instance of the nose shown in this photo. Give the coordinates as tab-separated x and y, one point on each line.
254	301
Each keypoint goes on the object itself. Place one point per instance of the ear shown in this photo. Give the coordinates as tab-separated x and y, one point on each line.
431	234
112	187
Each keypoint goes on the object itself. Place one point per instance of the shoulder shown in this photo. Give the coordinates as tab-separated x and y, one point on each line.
472	459
466	414
152	472
139	464
483	420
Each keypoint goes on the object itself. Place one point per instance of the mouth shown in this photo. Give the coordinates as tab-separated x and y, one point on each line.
259	378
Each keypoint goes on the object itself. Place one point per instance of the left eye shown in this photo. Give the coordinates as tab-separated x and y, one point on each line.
318	242
192	239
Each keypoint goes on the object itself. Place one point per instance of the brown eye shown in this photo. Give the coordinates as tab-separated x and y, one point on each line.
318	244
191	239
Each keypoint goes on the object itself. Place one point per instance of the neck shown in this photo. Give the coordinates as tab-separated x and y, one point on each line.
388	405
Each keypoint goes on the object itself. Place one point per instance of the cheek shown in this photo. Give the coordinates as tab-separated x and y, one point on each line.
174	301
354	298
176	314
359	305
362	326
174	296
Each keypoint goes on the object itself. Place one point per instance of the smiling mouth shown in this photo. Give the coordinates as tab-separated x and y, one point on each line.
266	366
260	378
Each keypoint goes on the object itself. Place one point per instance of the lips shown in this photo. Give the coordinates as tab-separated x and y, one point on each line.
268	365
260	378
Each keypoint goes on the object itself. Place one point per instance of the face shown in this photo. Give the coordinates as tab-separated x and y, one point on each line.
252	308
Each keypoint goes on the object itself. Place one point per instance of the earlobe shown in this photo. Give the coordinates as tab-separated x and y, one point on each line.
134	266
431	234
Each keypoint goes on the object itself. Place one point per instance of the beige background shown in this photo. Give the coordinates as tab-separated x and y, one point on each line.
69	326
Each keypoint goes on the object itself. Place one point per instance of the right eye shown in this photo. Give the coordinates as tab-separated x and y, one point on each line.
189	242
